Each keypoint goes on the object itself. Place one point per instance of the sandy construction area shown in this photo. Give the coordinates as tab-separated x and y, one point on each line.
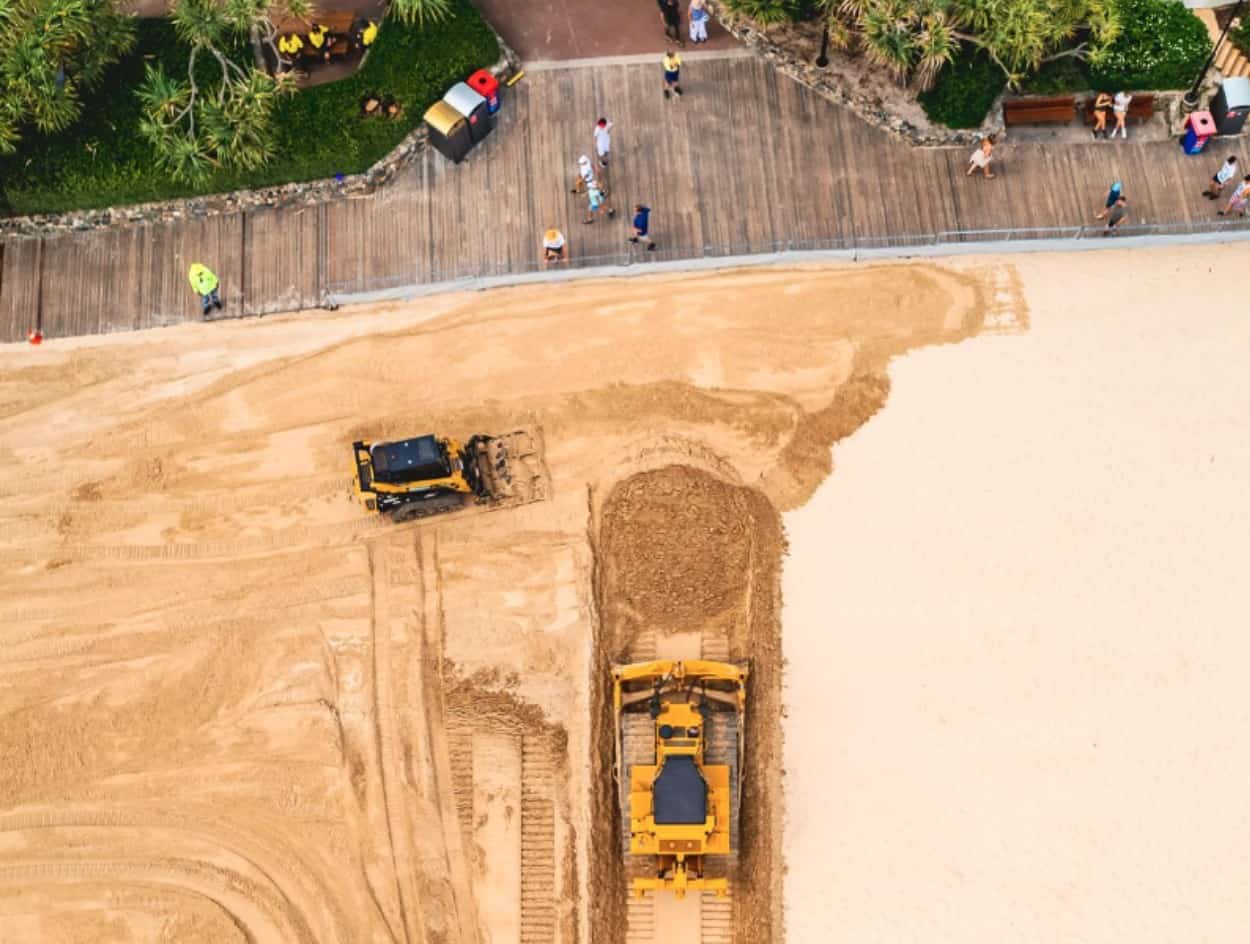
236	706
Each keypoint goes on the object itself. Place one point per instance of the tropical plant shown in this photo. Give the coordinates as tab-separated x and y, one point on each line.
764	12
914	39
964	91
197	125
421	12
51	50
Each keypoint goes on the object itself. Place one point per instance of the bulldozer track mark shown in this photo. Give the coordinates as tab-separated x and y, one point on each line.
538	841
319	536
640	920
716	919
383	557
271	859
460	755
245	902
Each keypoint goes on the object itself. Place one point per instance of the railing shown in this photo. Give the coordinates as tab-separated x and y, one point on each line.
397	283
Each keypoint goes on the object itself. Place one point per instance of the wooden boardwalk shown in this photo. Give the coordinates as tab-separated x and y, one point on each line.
746	161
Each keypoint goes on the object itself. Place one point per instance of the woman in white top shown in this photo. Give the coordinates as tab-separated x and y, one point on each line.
1119	105
981	157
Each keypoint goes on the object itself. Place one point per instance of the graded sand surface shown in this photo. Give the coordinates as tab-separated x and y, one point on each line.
237	706
1015	628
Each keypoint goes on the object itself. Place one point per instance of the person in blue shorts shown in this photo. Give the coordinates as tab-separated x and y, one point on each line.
672	73
642	224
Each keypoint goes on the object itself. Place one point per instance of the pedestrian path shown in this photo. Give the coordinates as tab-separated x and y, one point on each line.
747	161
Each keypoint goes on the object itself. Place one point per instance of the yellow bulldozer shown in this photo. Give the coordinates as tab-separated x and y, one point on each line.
429	475
679	750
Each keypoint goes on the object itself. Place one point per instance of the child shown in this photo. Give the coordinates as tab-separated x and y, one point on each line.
596	200
642	223
672	73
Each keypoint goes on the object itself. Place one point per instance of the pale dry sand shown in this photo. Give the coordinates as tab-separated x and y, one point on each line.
1015	628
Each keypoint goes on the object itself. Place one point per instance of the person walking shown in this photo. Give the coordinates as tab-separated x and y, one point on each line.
205	284
603	147
699	15
1113	195
672	73
1119	105
1239	198
596	200
981	157
1102	102
554	249
585	175
642	226
1227	171
670	16
1118	214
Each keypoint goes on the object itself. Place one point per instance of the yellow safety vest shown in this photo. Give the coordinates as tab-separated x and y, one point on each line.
290	44
317	36
370	34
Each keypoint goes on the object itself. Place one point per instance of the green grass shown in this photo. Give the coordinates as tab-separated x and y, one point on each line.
101	160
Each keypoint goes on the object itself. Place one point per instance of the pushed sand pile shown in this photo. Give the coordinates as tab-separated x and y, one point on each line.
237	706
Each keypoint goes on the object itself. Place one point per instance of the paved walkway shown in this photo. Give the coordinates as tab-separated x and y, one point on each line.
542	30
747	162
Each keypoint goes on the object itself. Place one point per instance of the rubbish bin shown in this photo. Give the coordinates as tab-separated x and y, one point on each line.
1199	127
449	131
487	86
1231	105
474	108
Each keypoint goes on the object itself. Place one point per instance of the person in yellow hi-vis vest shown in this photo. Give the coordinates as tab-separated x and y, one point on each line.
205	285
290	44
319	38
366	33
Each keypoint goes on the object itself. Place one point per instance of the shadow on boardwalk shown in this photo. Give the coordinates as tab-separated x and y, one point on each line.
747	161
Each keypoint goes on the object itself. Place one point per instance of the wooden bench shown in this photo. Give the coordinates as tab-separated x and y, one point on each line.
1141	107
1033	111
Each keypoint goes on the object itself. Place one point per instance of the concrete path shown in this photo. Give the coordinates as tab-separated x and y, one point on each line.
746	162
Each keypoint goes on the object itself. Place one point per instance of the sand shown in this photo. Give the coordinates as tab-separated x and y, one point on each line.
239	707
1014	628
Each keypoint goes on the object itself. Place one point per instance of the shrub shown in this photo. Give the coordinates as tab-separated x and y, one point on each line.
1239	36
1058	76
103	161
964	91
1161	45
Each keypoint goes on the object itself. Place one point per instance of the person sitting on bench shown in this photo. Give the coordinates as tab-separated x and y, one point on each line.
366	32
320	39
289	45
371	105
391	107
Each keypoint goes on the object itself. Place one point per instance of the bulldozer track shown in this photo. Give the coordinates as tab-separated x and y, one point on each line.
538	841
716	919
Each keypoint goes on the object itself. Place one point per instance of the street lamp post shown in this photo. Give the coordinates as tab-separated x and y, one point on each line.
823	59
1190	101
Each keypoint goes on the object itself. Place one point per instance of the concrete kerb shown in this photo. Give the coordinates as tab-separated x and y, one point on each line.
784	257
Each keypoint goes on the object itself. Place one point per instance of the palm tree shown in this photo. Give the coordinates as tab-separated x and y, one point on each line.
49	51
